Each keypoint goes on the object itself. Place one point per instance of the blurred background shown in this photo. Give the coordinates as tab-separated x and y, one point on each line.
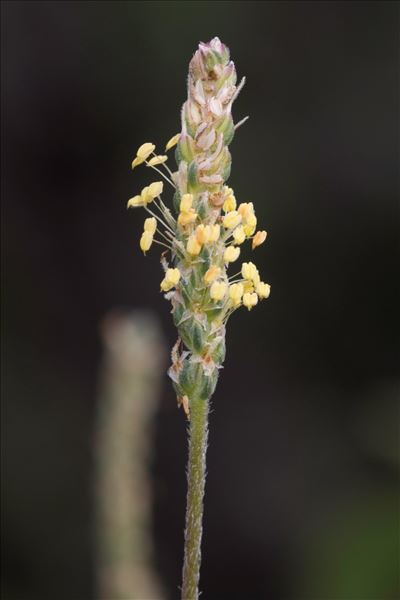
303	462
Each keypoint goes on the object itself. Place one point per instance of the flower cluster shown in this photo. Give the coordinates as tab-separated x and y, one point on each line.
209	227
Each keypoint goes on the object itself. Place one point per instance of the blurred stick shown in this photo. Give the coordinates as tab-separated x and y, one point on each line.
129	387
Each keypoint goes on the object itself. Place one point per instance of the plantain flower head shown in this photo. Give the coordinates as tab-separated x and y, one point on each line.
204	229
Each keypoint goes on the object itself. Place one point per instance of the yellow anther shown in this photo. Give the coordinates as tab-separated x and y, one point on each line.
146	240
145	197
155	189
150	225
212	274
231	254
251	220
186	202
259	239
250	300
193	246
246	209
145	150
171	279
184	218
165	286
157	160
236	291
231	219
249	271
256	279
263	290
218	290
135	202
251	224
248	286
137	161
227	191
215	233
173	275
187	214
230	203
202	233
239	235
173	141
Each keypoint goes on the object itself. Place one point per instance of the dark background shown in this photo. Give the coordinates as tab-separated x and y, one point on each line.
302	482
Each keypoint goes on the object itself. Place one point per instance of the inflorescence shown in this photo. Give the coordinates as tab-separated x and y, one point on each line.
209	228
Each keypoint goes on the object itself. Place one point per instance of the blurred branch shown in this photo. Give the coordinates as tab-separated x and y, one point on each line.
129	388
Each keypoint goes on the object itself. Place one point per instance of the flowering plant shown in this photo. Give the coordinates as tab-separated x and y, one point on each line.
201	237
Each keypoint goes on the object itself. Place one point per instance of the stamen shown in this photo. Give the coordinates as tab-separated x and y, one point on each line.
161	173
240	123
162	244
159	219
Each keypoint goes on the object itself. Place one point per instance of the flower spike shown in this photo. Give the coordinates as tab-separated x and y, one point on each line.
203	231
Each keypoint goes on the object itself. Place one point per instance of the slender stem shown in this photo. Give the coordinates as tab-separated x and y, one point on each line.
241	123
234	275
158	219
196	476
162	244
161	173
163	165
166	238
167	212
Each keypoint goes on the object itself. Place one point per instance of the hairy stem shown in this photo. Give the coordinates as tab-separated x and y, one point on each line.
194	505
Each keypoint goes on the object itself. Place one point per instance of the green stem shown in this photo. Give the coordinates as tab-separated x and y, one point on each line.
194	505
